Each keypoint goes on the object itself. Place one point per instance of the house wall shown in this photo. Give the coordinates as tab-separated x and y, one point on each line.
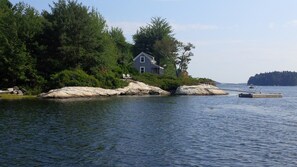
161	71
147	64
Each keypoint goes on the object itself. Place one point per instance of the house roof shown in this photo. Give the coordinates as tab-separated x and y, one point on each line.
146	55
152	59
157	66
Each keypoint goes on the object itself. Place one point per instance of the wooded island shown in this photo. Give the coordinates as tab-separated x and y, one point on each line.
72	45
285	78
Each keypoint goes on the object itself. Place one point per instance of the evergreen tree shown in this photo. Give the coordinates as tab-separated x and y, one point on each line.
157	38
166	51
77	38
123	48
19	27
276	78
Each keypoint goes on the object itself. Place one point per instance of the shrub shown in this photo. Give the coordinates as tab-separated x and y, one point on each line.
110	80
73	78
169	83
196	81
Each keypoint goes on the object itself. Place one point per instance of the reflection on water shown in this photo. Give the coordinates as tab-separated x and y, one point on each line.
150	131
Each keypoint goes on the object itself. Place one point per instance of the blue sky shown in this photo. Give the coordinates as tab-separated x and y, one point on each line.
234	39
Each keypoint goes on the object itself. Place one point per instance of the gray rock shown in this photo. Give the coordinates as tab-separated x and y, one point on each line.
19	92
203	89
10	89
134	88
4	91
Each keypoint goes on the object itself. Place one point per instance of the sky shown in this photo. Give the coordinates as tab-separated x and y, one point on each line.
234	39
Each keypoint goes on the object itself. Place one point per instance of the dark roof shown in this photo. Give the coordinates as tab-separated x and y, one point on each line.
152	59
145	54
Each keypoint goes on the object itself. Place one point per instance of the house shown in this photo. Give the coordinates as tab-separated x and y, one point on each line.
144	62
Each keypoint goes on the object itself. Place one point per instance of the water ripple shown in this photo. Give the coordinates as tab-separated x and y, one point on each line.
149	131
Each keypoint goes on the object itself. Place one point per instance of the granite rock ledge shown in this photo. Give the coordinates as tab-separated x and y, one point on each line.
134	88
203	89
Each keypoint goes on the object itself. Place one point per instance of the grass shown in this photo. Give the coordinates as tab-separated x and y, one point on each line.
15	97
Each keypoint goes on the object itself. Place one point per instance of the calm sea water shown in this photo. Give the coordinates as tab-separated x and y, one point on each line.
151	131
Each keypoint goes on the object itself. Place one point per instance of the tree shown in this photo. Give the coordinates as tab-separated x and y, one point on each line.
284	78
19	28
166	52
123	48
76	37
146	37
184	59
157	38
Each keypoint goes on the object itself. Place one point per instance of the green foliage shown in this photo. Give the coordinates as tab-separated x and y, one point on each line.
146	37
184	59
196	81
73	78
39	51
157	39
169	83
285	78
76	37
165	52
19	27
15	97
124	49
110	80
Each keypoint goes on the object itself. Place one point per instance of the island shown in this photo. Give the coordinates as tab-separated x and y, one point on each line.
70	48
276	78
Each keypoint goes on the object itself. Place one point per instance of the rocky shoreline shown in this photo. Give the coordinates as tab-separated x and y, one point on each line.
15	90
134	88
203	89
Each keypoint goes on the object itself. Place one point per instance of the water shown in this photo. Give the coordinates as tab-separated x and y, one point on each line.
151	131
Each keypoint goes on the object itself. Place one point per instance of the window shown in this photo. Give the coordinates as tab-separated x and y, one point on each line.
142	69
142	59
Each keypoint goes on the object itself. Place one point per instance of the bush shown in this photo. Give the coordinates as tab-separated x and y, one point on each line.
164	82
110	80
73	78
169	83
196	81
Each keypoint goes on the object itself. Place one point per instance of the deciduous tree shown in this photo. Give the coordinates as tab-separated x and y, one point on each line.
184	59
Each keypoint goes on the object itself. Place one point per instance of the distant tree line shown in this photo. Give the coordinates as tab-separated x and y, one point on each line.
72	45
285	78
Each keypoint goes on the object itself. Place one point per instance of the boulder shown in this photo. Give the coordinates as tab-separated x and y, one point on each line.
134	88
140	88
71	92
10	89
4	92
15	90
19	92
203	89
